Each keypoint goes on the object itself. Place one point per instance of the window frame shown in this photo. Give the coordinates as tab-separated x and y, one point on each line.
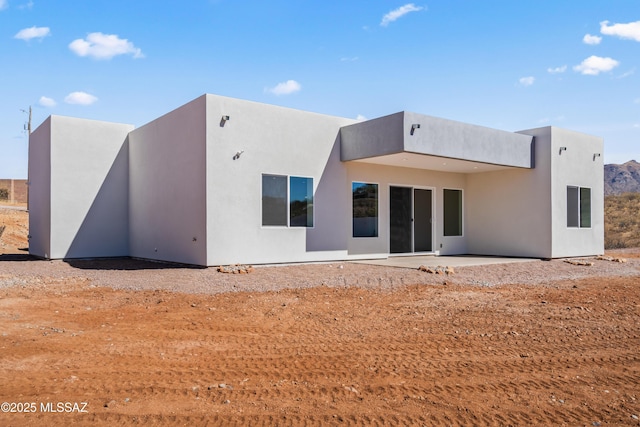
575	209
262	201
444	213
288	201
377	227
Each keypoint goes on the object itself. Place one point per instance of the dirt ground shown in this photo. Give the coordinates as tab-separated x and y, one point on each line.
555	353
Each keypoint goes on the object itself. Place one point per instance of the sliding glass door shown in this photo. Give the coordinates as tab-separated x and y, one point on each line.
410	212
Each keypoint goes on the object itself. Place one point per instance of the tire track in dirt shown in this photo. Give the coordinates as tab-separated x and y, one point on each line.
414	356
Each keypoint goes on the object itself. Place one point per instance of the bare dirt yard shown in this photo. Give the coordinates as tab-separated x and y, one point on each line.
126	342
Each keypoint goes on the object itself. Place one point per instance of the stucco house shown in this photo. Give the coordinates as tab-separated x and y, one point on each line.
220	181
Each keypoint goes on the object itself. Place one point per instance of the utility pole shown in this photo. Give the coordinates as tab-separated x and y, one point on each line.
27	127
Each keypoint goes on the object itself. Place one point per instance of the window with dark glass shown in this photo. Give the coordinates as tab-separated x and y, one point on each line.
452	202
274	200
300	202
578	207
365	209
287	201
585	207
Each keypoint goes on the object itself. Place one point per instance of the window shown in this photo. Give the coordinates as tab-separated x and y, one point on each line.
578	207
276	191
452	212
365	209
300	202
274	200
585	207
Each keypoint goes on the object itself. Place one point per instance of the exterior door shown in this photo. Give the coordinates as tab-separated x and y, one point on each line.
410	220
422	235
400	218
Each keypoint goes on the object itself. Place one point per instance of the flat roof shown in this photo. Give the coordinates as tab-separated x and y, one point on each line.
419	141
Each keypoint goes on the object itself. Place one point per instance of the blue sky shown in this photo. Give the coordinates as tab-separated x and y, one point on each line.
505	64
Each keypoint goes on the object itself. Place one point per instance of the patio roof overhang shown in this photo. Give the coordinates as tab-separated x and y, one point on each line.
417	141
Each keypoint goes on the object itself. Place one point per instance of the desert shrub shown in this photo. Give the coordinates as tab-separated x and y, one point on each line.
4	194
630	197
622	221
614	243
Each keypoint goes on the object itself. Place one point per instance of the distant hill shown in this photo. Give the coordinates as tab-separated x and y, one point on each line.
619	179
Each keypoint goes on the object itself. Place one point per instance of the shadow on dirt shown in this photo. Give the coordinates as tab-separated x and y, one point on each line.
125	264
18	257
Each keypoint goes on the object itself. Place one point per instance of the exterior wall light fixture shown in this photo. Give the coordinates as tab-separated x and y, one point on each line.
237	155
414	127
224	120
596	155
561	150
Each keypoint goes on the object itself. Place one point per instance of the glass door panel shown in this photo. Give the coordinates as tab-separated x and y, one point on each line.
422	220
400	240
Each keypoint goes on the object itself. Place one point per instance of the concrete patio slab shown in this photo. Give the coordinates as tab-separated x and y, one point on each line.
434	261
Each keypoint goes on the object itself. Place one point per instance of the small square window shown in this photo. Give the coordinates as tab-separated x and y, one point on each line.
287	201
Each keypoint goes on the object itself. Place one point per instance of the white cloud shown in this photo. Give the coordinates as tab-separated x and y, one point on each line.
594	65
27	34
285	88
627	74
349	59
557	70
399	13
4	4
361	118
551	120
47	102
104	46
80	98
28	6
636	101
589	39
630	31
527	81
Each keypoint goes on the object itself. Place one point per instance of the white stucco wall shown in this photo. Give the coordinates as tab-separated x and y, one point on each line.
444	138
456	140
576	166
280	141
167	199
524	212
88	180
509	212
40	190
374	137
